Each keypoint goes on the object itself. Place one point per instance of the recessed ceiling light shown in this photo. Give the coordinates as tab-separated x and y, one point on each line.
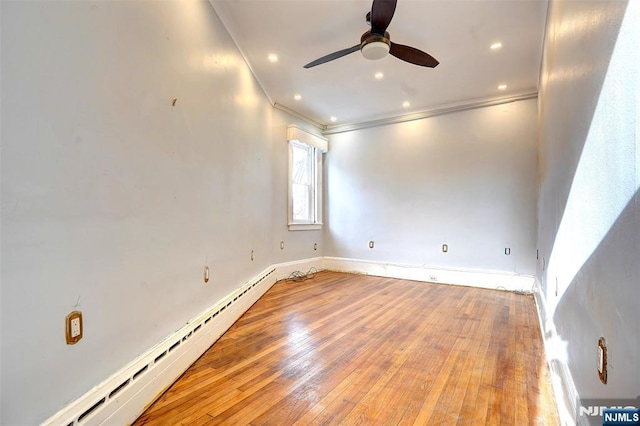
378	75
297	96
333	119
502	87
272	57
406	104
496	46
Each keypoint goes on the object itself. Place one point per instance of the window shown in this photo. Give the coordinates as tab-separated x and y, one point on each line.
303	188
305	179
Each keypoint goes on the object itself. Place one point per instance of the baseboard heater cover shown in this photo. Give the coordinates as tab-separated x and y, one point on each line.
123	397
118	400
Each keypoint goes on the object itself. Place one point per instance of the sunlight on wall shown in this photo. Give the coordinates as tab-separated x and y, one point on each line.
570	74
412	133
606	177
580	23
247	97
218	62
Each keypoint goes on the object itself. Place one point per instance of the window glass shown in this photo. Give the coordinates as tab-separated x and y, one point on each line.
305	186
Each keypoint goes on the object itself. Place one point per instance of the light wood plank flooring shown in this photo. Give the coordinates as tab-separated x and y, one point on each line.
353	349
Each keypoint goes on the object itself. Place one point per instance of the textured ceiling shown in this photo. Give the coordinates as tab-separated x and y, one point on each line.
456	32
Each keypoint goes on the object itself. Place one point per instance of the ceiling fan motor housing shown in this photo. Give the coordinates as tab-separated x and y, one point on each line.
375	46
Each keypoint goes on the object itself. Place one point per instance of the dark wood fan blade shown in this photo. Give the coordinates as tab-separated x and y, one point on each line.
332	56
413	55
381	13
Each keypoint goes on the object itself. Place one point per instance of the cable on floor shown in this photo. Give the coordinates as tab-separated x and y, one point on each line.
298	276
521	292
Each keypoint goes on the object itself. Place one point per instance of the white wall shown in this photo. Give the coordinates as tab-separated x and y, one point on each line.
589	208
113	200
467	179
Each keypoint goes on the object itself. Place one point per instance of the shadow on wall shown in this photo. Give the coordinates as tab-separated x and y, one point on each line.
602	300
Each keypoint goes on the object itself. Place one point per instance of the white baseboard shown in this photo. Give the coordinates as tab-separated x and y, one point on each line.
566	394
121	398
124	396
466	277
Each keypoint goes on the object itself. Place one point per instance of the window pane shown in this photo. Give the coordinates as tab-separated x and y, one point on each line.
301	165
301	202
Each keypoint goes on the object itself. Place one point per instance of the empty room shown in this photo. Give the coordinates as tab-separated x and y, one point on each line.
320	212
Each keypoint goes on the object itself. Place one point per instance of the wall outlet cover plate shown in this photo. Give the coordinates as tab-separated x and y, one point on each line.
602	360
73	326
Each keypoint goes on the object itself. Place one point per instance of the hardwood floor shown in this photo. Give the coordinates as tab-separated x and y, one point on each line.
353	349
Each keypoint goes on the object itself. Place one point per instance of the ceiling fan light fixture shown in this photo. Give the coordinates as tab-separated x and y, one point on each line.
375	50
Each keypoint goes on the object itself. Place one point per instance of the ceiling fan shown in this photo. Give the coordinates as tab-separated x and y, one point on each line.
376	43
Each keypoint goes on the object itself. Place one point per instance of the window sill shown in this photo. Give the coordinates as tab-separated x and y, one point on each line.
304	226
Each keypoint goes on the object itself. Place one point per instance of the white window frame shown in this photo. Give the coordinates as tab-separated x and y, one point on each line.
316	146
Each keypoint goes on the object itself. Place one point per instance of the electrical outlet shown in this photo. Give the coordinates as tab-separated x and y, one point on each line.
73	325
602	360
